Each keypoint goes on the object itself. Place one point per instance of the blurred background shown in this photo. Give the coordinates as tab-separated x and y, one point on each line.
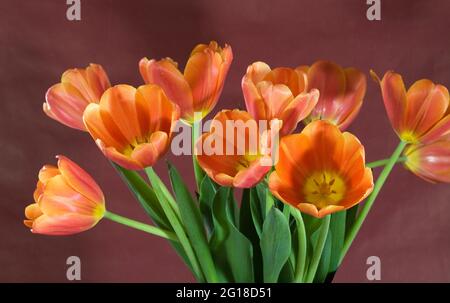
408	227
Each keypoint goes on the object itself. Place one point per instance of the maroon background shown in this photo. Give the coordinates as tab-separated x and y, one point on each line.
408	227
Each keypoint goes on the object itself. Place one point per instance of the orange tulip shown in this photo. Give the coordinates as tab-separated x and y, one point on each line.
67	200
430	161
420	114
321	170
199	88
278	94
232	154
132	127
341	92
66	101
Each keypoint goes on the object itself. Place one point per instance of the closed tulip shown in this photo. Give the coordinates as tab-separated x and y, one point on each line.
197	89
67	200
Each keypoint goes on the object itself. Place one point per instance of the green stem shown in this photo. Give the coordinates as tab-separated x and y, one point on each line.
174	220
383	162
371	199
318	249
198	171
301	253
141	226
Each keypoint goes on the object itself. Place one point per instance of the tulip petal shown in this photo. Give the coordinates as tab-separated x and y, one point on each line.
297	110
33	211
165	74
147	154
80	180
394	97
117	157
252	175
426	105
62	225
439	131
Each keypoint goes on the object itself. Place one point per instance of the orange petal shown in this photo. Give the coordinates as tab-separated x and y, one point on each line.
329	79
394	97
357	193
298	110
118	109
329	210
165	74
355	90
47	172
66	105
276	97
63	225
111	153
426	104
97	129
249	177
32	211
438	131
80	180
147	154
59	198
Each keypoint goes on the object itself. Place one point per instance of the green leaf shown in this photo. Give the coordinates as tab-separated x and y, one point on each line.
350	217
193	223
324	263
145	195
247	227
232	251
337	230
287	273
206	196
275	244
257	210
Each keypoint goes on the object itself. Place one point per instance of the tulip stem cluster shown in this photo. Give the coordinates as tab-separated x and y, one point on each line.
141	226
371	199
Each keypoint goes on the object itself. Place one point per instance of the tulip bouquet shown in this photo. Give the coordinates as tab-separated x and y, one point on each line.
273	202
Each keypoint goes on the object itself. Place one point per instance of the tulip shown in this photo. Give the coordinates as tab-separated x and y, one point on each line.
341	92
132	127
419	115
67	200
66	101
321	170
278	94
231	153
197	90
430	161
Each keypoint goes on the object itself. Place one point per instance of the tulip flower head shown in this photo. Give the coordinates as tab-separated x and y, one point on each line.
198	88
419	115
67	100
132	127
341	92
278	94
321	170
234	152
67	200
430	161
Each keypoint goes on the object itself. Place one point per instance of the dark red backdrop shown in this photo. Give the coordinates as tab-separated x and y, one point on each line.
409	225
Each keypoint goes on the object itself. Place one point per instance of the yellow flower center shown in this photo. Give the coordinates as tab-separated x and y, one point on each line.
245	161
324	188
408	136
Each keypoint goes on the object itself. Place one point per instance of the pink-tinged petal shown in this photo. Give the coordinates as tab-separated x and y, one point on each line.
66	105
80	180
355	90
221	178
394	97
201	73
329	78
426	104
257	72
166	74
60	198
227	58
297	110
63	225
276	97
148	153
97	79
437	132
78	79
115	156
250	176
430	162
254	102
